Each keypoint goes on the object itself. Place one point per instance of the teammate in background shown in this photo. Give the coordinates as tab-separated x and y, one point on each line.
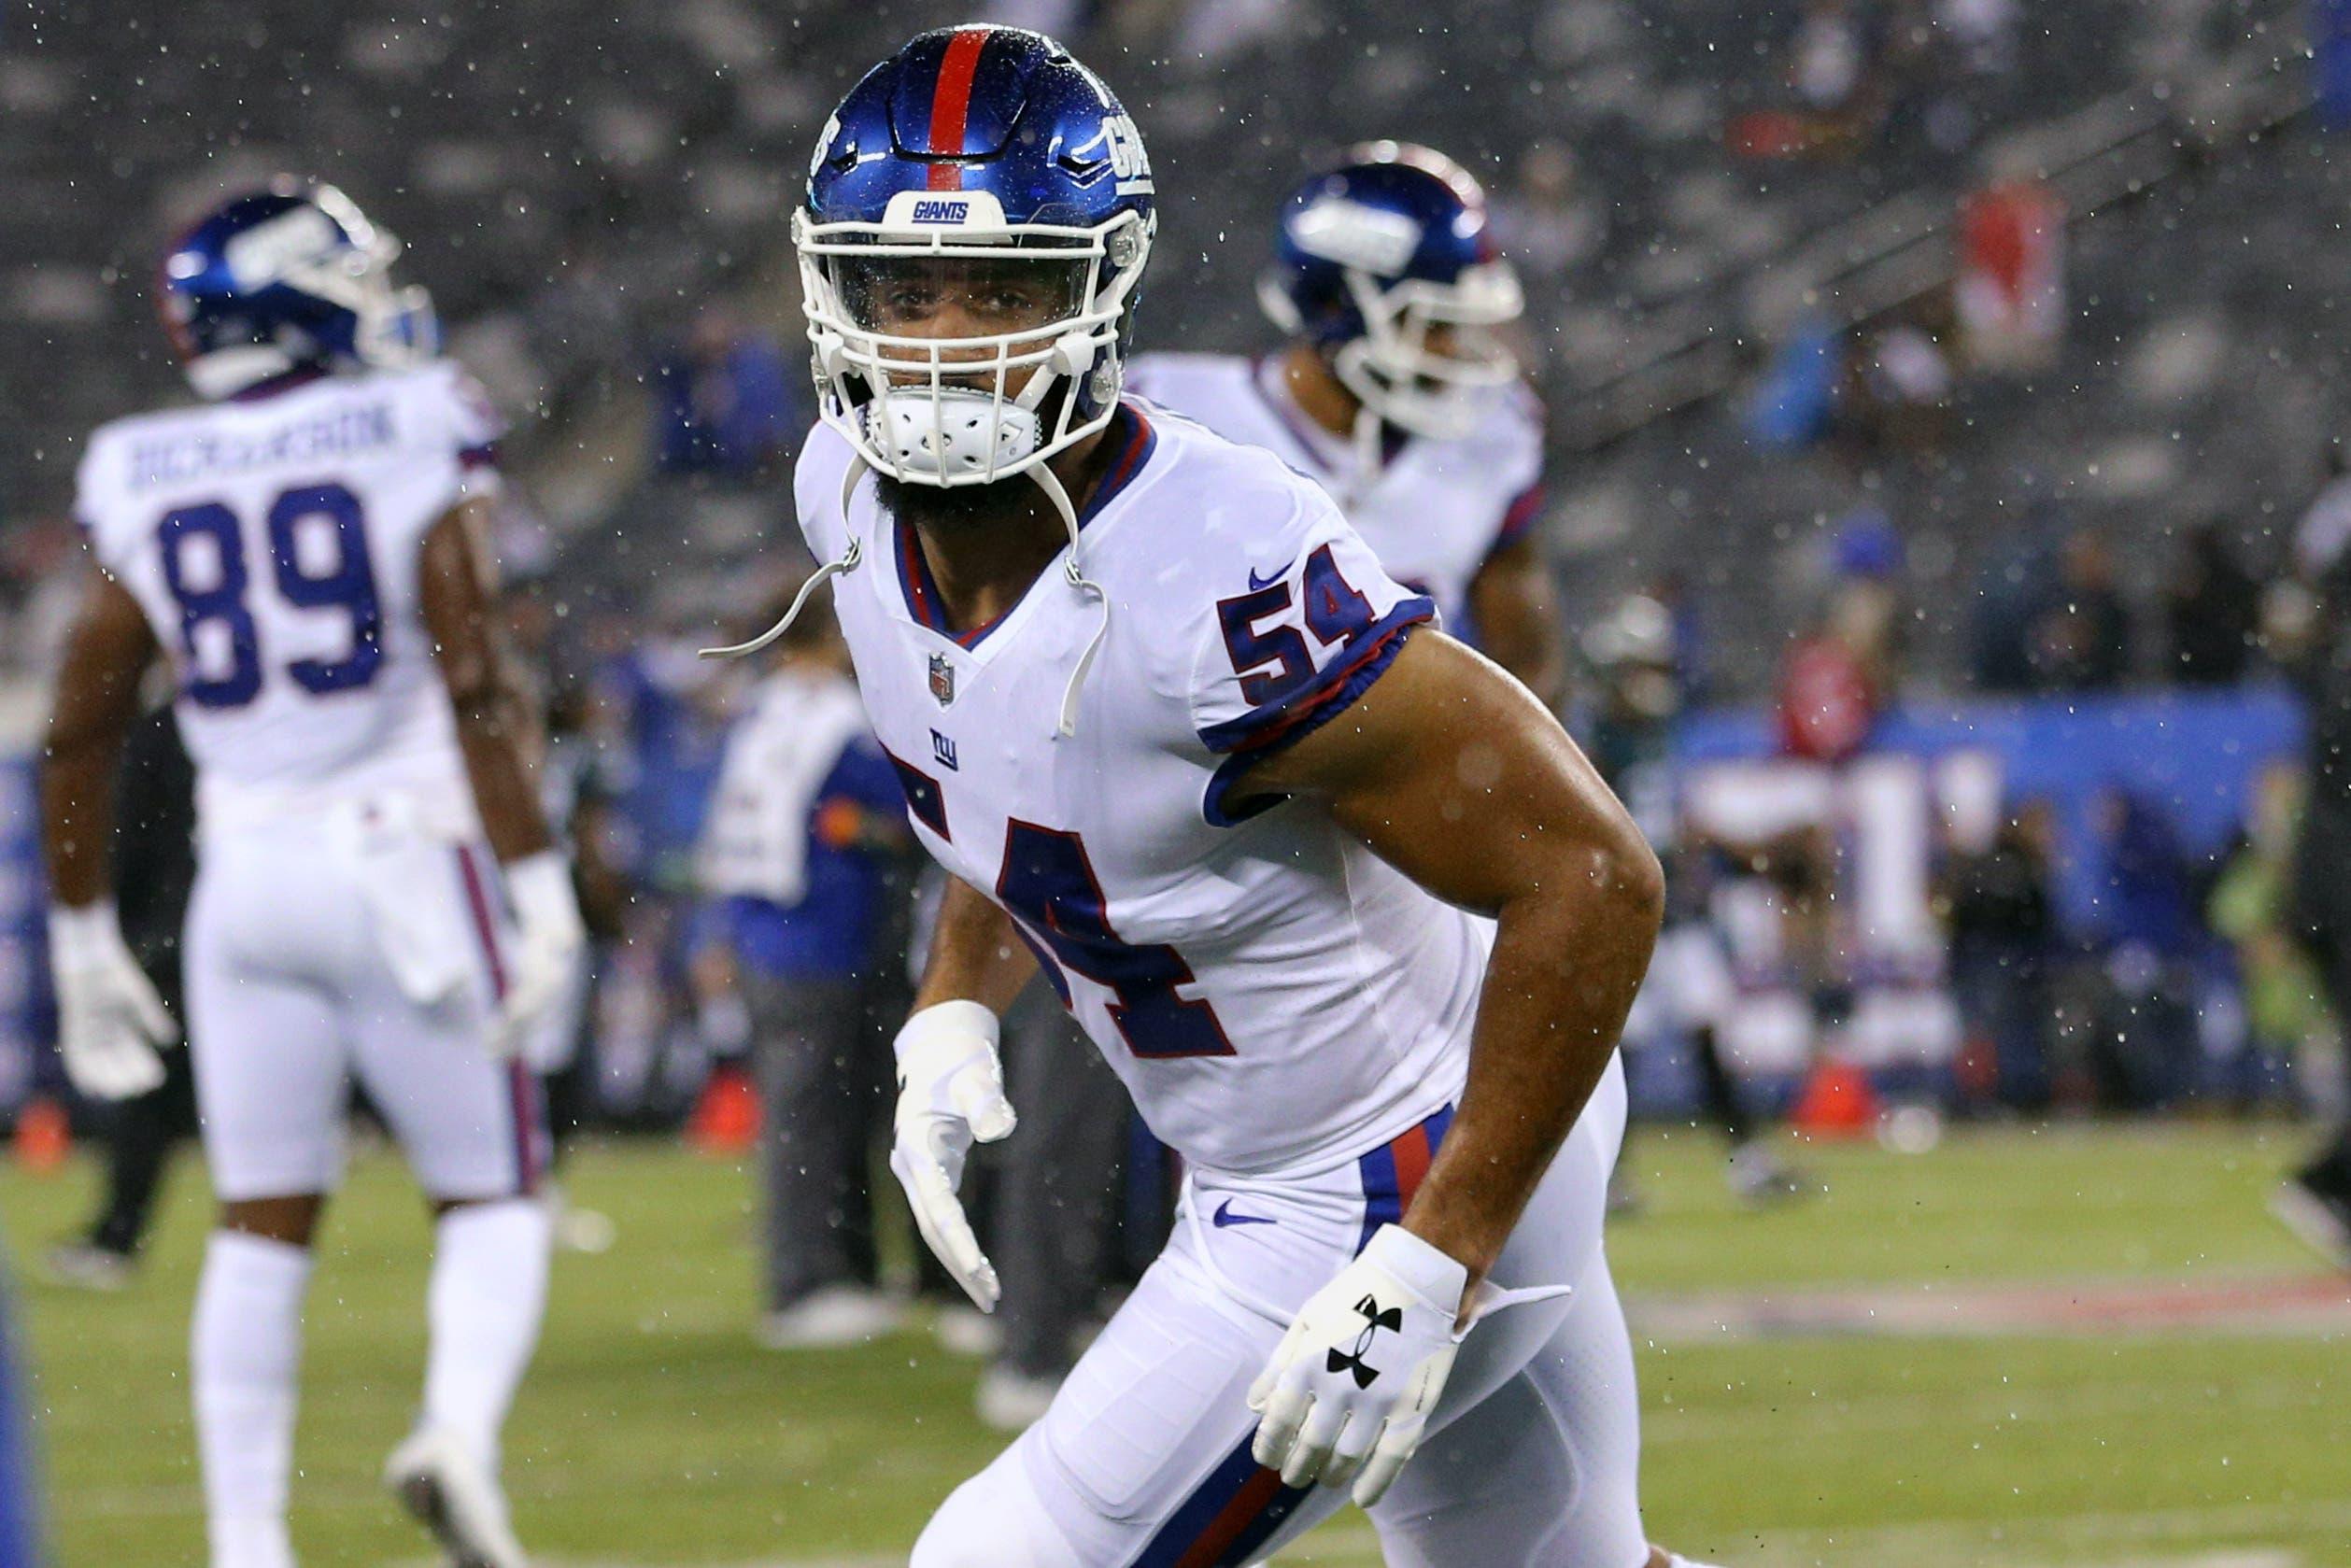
1397	393
1180	740
1690	990
307	550
154	867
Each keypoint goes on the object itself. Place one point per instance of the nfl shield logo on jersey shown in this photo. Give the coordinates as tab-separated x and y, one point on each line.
942	679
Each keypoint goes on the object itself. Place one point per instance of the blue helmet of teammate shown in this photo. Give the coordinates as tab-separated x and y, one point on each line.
1385	263
978	213
288	279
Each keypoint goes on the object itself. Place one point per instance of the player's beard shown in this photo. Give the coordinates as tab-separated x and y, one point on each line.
960	508
948	508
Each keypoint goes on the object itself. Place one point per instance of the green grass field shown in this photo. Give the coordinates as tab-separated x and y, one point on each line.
653	1432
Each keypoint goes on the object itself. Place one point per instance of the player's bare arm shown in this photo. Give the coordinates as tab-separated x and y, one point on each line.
106	654
1518	621
496	733
109	1018
458	597
975	955
1457	778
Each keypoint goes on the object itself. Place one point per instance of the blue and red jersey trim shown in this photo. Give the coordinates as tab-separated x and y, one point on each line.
1132	440
1296	712
1264	731
1393	1173
1520	518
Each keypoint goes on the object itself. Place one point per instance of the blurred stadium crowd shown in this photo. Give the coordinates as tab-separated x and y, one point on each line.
1942	488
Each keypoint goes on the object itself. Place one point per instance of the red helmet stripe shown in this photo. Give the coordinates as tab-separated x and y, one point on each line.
951	103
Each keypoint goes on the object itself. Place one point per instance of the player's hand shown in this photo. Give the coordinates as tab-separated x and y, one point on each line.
548	938
950	1096
1348	1394
109	1020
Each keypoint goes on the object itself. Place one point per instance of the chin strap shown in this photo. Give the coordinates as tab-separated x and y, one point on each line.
841	568
1050	482
850	559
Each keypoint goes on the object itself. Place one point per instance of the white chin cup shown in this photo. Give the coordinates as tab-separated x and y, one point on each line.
226	372
908	426
1444	412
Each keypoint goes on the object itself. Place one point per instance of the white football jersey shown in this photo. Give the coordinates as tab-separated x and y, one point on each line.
1434	511
274	544
1275	996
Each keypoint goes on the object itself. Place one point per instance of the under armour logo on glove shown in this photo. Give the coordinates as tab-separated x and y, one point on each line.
1320	1420
1374	1320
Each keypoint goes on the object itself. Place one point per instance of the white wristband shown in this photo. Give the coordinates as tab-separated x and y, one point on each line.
84	935
958	1019
1428	1271
540	887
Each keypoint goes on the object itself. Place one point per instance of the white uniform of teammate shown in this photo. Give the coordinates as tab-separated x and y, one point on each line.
1290	1013
1434	511
345	919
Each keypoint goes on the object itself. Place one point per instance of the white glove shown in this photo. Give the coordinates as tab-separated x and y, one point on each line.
950	1096
548	938
109	1020
1351	1385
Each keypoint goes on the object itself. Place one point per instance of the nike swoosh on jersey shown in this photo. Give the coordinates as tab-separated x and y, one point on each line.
1224	1217
1254	585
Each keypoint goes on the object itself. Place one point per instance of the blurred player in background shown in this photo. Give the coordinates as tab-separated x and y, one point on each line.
154	867
1397	394
308	549
1690	990
1107	654
804	851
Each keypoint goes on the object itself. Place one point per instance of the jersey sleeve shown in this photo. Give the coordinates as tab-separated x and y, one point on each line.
1524	463
475	428
98	501
1308	622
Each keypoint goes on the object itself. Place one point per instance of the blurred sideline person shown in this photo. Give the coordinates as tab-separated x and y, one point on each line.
1397	394
576	798
1052	1217
154	867
1689	991
1183	745
307	550
805	844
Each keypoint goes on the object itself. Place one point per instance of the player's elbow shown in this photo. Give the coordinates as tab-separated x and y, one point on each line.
1630	877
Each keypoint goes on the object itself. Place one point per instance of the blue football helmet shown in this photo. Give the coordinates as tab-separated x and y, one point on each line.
285	280
982	184
1385	261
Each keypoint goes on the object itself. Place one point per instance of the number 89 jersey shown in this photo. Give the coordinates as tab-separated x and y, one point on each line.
1275	996
275	545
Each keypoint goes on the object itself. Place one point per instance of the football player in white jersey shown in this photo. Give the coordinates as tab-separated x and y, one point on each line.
307	550
1397	395
1180	741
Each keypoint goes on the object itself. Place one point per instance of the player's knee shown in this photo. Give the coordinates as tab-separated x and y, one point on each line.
993	1520
292	1219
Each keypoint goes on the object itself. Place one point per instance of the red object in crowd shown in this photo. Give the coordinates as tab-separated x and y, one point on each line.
2010	287
1827	701
1837	1101
43	1137
726	1120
